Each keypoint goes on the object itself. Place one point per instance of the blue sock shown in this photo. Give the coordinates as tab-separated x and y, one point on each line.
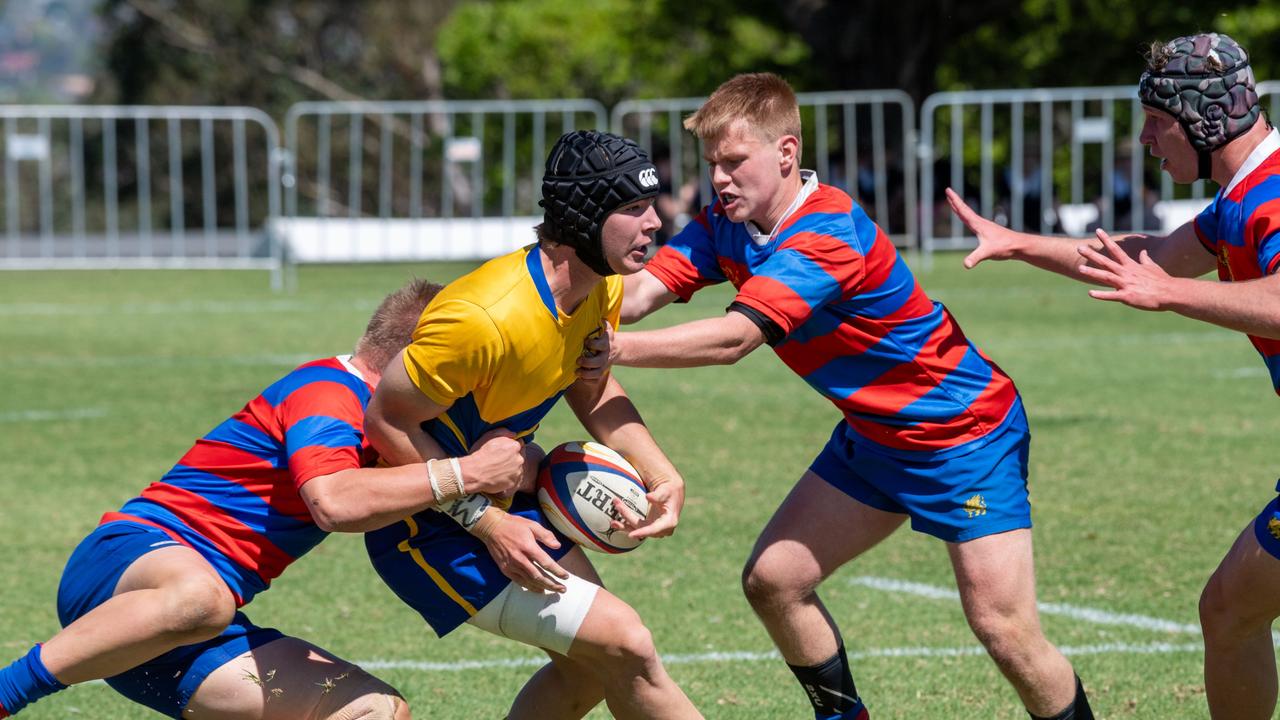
26	681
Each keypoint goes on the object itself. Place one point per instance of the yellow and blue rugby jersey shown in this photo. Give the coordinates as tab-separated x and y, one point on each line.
495	349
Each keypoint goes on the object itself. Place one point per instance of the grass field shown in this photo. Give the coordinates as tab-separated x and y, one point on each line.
1152	448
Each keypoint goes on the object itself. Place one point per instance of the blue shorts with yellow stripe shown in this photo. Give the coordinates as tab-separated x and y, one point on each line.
441	570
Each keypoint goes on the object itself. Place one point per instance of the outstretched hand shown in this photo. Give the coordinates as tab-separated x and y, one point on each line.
665	502
995	242
1137	283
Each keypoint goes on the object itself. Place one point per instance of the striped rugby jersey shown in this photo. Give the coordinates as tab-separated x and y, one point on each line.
1241	226
857	326
234	495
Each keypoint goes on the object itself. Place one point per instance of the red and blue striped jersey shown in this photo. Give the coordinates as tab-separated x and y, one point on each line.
1242	228
234	495
857	326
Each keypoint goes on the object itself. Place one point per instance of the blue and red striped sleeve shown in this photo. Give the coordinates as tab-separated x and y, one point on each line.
324	429
1206	227
688	262
1264	227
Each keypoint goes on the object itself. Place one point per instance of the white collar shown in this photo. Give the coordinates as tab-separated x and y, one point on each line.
346	363
1264	149
810	179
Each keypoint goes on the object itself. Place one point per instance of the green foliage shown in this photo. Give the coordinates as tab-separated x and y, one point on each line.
1058	43
607	50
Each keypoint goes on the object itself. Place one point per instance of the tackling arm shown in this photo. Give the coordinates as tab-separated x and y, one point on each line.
642	293
364	499
713	341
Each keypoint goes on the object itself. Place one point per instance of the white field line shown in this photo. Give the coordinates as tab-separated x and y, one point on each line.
1241	372
129	361
23	416
1087	614
1158	648
208	307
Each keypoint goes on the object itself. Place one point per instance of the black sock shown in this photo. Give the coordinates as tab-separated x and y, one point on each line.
1078	709
829	686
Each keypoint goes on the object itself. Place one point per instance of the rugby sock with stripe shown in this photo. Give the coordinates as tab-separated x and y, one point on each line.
25	681
829	686
1078	709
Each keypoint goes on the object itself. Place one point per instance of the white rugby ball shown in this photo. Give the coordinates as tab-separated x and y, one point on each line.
577	485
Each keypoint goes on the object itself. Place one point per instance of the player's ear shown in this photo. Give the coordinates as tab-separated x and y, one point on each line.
788	153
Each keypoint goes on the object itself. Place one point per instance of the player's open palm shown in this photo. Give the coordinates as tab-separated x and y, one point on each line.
1137	283
995	242
665	502
496	465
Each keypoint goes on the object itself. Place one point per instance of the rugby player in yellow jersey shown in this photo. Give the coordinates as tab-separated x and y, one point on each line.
495	350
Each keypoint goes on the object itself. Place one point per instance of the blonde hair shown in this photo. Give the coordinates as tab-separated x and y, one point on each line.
764	100
392	325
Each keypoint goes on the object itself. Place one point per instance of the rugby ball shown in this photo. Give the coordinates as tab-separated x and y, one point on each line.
577	484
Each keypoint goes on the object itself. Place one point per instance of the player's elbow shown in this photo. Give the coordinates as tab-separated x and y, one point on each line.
739	343
734	350
328	511
326	517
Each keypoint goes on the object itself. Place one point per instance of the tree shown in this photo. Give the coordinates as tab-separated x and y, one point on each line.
611	49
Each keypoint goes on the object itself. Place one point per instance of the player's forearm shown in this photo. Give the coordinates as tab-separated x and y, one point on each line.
613	420
365	499
1251	306
1055	254
1061	255
642	293
714	341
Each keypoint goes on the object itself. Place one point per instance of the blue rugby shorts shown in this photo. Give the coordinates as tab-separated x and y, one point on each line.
952	496
166	683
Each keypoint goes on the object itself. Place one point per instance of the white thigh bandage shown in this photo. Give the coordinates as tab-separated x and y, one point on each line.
534	617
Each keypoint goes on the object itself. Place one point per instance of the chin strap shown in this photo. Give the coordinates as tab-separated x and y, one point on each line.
1206	163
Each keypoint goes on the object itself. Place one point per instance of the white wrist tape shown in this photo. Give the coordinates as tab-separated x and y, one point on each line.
467	511
435	485
457	474
447	485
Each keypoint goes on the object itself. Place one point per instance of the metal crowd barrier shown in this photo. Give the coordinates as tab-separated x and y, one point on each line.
419	180
199	187
139	187
1059	160
862	141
